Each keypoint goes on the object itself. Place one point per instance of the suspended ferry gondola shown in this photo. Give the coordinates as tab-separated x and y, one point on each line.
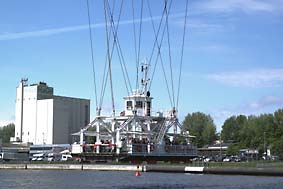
136	134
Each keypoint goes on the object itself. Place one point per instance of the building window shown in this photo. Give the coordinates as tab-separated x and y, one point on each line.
139	104
129	105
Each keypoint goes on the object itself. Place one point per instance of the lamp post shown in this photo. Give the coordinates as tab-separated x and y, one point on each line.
220	149
264	146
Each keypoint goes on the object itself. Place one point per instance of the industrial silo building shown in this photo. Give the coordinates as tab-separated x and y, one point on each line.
44	118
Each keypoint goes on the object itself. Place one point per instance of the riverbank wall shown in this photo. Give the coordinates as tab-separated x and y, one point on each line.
150	168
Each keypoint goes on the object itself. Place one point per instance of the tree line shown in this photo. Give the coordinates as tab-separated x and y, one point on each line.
257	132
6	132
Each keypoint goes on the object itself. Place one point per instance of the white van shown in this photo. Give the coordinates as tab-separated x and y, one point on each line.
66	157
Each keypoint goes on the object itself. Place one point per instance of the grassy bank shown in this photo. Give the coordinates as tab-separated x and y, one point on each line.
250	164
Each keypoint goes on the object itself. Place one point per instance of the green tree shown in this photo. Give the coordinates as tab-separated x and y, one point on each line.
6	132
277	147
278	121
201	126
233	149
231	128
258	132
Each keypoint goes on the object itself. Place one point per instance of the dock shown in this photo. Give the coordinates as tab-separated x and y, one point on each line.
150	168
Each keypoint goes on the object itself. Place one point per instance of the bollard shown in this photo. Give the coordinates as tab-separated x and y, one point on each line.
137	172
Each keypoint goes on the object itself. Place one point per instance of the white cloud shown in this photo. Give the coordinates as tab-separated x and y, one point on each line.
263	105
53	31
219	116
267	101
204	27
252	78
244	5
42	33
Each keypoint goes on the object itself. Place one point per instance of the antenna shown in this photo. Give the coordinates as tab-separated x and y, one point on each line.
23	83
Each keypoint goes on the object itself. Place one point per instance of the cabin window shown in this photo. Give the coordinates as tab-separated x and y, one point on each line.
129	105
139	104
148	104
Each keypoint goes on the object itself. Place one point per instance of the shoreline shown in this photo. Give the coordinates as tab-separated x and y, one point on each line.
149	168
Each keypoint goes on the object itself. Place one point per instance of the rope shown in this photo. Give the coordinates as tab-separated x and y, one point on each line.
182	53
92	56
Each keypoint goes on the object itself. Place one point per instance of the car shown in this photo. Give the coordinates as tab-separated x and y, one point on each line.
236	159
227	159
219	158
37	157
54	157
209	159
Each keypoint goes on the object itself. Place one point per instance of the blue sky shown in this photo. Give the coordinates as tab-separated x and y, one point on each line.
232	58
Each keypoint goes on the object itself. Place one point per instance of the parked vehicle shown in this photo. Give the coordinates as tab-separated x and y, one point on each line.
54	157
66	157
236	159
219	158
38	157
227	159
209	159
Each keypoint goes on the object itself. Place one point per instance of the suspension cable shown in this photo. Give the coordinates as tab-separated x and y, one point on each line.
109	60
158	46
135	40
104	83
169	53
105	72
182	53
105	75
92	55
119	49
139	47
159	27
161	60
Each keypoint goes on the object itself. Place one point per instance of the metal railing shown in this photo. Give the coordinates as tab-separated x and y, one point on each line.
155	149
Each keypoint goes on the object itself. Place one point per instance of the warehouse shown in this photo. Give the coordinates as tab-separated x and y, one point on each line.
44	118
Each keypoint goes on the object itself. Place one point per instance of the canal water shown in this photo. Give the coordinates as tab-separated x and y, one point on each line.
126	180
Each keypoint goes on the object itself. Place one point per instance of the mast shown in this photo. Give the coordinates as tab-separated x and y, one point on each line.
144	80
